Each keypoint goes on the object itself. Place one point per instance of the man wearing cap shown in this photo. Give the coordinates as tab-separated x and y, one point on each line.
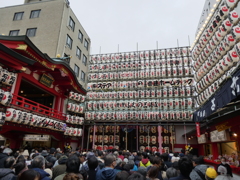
61	168
211	174
50	158
224	168
85	163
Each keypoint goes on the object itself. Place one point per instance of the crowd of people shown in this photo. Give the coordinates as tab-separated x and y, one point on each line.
55	164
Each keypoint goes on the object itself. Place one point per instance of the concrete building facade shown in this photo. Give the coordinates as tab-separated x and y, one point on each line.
53	27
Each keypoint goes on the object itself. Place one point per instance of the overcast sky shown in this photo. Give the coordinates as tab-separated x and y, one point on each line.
126	23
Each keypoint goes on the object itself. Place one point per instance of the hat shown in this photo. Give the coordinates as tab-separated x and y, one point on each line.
44	153
63	159
222	170
125	160
131	157
25	153
211	173
52	150
89	155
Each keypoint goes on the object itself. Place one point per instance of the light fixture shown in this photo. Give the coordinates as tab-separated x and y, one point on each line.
21	91
214	5
234	134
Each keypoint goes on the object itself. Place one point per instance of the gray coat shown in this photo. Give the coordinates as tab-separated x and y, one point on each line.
6	174
194	175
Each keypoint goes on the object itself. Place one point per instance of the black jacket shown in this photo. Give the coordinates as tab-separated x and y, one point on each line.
6	174
3	156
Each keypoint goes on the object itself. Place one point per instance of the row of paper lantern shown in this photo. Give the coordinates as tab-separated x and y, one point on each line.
223	64
5	97
220	69
140	84
136	65
139	115
105	129
208	92
105	147
104	138
210	31
21	117
150	148
70	131
7	77
147	139
177	103
218	45
154	54
75	108
74	119
76	97
146	73
165	92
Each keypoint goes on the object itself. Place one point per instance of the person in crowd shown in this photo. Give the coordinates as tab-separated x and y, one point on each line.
123	175
61	168
72	176
143	171
44	153
57	156
25	154
7	172
153	172
67	148
100	156
182	154
136	176
175	157
170	155
185	166
210	174
30	174
108	172
38	164
51	158
199	170
127	168
48	168
19	168
73	163
92	165
171	173
165	158
85	163
137	158
119	165
145	161
120	155
133	166
4	155
224	166
157	161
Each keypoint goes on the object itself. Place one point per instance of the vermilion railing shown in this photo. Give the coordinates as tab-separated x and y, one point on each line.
24	103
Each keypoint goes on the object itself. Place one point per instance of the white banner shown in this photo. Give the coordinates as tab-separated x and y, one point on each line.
31	137
202	139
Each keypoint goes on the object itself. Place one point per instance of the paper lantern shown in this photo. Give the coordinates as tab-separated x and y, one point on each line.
232	54
7	99
10	114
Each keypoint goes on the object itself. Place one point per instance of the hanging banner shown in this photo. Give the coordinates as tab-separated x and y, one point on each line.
223	126
198	129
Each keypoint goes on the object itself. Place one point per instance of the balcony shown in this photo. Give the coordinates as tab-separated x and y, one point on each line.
20	102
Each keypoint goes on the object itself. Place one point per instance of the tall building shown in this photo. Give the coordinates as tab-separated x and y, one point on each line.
53	27
216	55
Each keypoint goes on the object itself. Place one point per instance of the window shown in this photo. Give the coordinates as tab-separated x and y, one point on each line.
35	13
84	60
78	53
80	36
86	44
76	70
14	33
69	42
71	24
18	16
31	32
82	76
